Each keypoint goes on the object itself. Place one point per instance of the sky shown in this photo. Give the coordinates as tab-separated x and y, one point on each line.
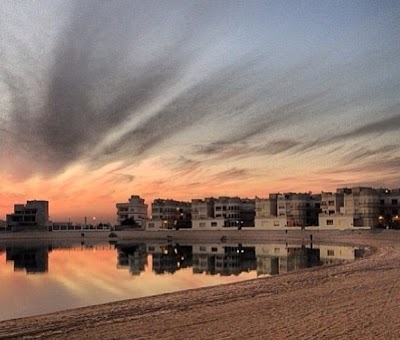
100	100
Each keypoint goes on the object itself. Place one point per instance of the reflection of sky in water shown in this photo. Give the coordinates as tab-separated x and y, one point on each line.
85	277
63	278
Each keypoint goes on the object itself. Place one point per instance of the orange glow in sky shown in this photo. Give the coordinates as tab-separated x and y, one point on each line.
273	97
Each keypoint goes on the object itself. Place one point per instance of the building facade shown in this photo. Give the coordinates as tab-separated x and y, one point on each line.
287	210
173	214
389	208
223	212
135	209
32	214
359	207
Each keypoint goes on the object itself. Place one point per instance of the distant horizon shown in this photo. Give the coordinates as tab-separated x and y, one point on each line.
111	217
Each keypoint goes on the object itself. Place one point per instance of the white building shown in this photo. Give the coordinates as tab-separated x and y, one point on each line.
333	214
33	214
203	215
222	212
134	209
153	225
203	209
287	210
352	208
174	214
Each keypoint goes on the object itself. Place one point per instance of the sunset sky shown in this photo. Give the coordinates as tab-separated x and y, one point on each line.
187	99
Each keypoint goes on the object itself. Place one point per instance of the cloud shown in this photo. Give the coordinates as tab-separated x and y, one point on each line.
231	174
118	81
108	94
363	153
384	125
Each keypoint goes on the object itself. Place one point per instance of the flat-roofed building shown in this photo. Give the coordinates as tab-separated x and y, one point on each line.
389	208
34	213
153	225
333	214
360	207
173	214
135	209
203	208
223	212
287	210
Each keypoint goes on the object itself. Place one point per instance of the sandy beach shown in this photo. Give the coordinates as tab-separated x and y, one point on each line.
356	300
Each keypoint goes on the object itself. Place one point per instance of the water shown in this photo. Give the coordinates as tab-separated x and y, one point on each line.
38	277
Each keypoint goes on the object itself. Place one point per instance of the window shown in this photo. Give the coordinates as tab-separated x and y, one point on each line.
202	248
213	224
382	202
151	248
151	225
276	223
331	202
214	249
202	224
331	252
218	208
329	222
394	202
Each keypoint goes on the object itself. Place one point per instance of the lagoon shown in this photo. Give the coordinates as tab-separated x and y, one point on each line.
47	276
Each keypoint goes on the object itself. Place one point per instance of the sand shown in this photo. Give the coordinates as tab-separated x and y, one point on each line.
358	300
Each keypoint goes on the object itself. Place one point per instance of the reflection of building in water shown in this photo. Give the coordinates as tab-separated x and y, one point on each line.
170	258
281	258
299	258
338	254
32	259
223	259
132	256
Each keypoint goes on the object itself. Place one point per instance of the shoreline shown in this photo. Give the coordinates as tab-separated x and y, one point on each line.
358	298
209	235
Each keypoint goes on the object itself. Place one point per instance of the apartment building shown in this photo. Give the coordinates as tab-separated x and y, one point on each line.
203	215
34	213
389	207
203	208
135	209
360	207
287	210
223	212
236	211
173	214
333	214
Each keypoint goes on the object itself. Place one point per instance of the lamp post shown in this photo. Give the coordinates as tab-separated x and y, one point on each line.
380	219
